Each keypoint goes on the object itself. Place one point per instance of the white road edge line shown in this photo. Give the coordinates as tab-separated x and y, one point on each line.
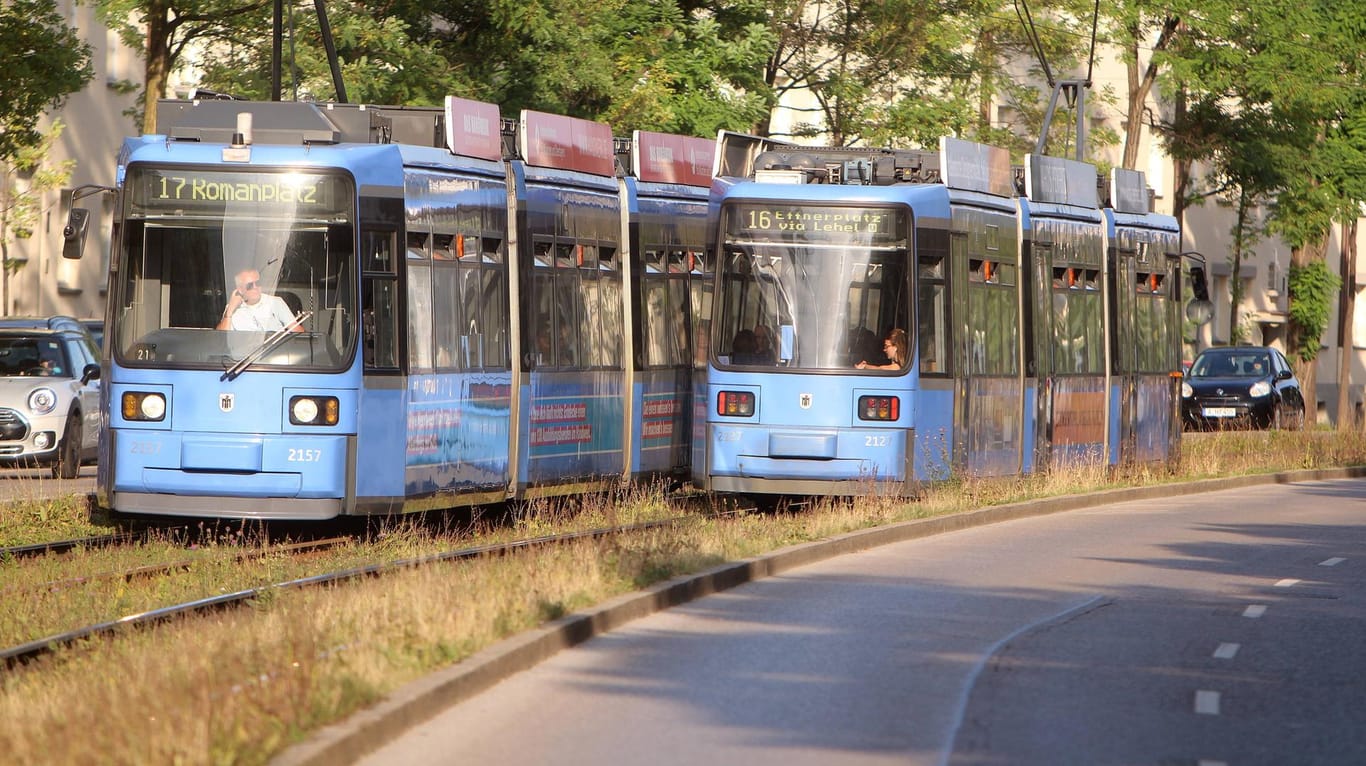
1207	702
1227	651
1255	611
961	708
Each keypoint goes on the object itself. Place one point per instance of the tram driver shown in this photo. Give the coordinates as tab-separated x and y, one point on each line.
250	308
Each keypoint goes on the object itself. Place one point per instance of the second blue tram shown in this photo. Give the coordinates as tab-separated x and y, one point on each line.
1000	280
457	300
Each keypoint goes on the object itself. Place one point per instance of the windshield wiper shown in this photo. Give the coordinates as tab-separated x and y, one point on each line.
267	345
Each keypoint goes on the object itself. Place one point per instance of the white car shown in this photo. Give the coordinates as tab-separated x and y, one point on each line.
49	397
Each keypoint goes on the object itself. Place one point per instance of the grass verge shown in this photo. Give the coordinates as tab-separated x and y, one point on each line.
239	687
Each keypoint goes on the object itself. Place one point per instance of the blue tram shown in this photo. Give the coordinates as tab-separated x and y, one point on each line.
319	310
931	314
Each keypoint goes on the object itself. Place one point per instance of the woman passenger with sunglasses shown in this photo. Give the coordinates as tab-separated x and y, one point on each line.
894	346
249	308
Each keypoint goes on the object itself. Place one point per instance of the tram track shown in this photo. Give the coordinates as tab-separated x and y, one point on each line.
17	656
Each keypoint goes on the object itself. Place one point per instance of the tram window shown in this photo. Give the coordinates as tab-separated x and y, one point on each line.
377	252
417	245
608	351
446	315
934	325
444	246
380	323
419	317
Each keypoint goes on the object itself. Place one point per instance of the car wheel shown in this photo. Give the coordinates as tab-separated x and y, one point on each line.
68	465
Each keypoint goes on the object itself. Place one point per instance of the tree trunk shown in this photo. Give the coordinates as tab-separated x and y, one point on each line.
1235	279
1346	316
157	66
1307	372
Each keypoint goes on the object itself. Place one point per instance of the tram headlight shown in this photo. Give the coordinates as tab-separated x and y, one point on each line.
314	410
42	400
142	405
735	404
879	407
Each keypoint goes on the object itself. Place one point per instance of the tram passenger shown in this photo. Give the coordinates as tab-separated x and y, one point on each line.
742	349
764	352
895	347
249	308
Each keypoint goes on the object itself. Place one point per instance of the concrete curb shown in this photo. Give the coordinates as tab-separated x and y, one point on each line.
416	702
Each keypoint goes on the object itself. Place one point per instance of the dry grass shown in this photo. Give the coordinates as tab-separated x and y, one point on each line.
238	687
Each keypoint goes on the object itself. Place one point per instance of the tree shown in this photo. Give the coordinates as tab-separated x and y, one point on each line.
24	181
43	61
164	30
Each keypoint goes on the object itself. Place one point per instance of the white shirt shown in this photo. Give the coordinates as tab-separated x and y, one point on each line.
270	313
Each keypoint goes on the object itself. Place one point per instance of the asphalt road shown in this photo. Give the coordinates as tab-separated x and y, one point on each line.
38	484
1220	628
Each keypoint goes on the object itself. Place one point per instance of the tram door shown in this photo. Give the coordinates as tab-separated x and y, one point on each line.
989	413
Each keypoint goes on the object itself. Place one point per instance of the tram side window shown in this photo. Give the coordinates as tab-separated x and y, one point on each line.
605	312
1077	332
483	297
420	314
934	326
992	317
379	301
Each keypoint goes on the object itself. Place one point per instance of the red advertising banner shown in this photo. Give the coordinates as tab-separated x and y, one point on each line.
473	129
671	159
567	143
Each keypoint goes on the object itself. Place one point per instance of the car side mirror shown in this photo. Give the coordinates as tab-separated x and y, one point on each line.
91	372
1284	375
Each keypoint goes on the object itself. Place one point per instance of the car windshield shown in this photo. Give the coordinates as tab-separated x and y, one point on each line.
21	356
1253	363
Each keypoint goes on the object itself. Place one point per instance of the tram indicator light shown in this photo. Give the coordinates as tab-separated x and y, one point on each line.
735	404
879	407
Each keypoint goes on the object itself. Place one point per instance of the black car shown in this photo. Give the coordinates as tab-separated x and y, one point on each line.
1239	387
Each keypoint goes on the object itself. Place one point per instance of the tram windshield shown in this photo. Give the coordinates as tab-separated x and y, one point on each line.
811	287
214	262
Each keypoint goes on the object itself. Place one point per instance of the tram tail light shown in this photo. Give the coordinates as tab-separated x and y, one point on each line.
879	407
735	403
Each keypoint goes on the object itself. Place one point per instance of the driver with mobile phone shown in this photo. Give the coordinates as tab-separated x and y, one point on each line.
251	309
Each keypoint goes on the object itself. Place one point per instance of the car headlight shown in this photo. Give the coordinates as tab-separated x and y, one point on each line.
1259	389
1186	390
42	400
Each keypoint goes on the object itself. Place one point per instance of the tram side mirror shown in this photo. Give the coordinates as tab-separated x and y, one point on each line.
1200	310
73	234
787	342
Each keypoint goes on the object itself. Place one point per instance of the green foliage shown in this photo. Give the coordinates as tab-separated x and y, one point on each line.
43	61
1313	289
23	182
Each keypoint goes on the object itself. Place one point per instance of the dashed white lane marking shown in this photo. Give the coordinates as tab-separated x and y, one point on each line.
1203	762
1227	651
1289	582
1207	702
1332	562
1255	611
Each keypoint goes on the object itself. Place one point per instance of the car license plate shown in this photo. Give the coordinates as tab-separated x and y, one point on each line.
1220	412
